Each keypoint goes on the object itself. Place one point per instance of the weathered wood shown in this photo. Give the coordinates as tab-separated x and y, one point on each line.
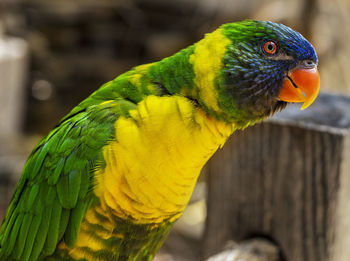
251	250
286	179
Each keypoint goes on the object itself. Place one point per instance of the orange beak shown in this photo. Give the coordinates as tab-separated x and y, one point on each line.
301	85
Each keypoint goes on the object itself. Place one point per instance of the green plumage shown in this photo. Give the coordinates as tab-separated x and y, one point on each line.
57	184
54	191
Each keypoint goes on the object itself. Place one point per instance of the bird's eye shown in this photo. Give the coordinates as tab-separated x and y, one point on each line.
270	47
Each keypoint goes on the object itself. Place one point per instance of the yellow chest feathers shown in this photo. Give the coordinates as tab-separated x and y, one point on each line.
156	157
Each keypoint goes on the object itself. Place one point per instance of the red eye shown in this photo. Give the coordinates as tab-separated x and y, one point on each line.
270	47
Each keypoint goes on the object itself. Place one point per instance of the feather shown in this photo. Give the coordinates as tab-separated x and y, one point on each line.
14	234
32	232
53	178
63	222
42	234
21	239
76	217
53	230
31	197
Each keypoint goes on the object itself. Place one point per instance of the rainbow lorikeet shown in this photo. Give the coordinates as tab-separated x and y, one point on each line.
111	178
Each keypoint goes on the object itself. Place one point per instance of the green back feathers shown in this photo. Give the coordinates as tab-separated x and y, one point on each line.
174	74
54	191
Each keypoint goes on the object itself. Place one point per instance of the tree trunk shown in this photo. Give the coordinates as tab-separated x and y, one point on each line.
288	180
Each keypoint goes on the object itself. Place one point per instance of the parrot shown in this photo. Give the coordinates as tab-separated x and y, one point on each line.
111	178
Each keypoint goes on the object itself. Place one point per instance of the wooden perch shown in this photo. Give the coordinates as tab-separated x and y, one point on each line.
251	250
287	179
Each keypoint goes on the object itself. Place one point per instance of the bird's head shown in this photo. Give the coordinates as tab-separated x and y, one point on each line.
265	65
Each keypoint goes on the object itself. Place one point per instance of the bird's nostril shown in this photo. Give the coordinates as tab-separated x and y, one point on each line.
308	63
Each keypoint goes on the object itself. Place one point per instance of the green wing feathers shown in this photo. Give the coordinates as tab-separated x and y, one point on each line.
54	191
56	186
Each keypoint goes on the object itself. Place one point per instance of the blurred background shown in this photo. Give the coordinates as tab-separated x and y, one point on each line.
55	53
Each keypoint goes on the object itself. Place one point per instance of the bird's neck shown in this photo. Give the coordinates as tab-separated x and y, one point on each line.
195	72
153	164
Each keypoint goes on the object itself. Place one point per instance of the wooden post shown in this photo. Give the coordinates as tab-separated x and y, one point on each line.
287	179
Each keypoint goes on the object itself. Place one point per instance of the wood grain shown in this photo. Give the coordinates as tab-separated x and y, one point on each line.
284	181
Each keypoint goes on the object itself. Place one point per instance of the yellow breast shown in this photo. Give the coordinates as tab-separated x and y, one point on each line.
156	157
